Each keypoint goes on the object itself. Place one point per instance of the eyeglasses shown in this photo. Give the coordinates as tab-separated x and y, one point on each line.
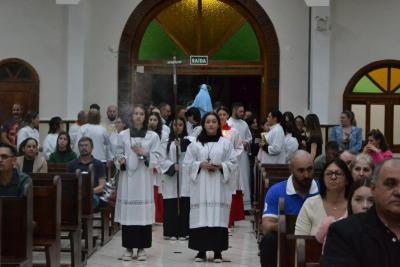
6	157
337	174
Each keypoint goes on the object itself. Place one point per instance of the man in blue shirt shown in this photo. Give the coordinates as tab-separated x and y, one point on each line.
85	146
295	190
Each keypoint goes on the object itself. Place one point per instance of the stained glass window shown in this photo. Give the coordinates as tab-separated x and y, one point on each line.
379	81
206	27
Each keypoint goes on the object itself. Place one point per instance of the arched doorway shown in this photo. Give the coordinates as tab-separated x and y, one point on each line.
19	83
373	94
135	74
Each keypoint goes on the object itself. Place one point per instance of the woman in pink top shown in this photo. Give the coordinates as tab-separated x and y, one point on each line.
377	147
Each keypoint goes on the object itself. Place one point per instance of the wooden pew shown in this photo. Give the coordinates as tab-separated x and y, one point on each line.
1	214
87	212
17	230
56	167
286	247
47	218
71	209
308	251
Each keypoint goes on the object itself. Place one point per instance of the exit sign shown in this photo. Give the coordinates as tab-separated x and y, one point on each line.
198	60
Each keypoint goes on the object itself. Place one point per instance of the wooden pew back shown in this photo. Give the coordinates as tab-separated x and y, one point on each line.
56	167
308	251
47	211
71	196
17	228
286	225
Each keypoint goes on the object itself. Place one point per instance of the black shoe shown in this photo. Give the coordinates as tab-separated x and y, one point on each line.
217	257
200	257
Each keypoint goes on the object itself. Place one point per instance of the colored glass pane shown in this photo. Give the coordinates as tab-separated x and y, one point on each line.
365	85
157	45
394	78
380	76
200	27
243	45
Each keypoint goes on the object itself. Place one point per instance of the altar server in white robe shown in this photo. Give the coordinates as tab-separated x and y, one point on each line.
99	135
237	206
155	124
176	215
135	201
236	121
114	136
272	144
210	163
291	143
194	118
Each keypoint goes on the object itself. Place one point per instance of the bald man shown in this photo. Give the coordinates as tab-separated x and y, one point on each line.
295	190
373	238
109	122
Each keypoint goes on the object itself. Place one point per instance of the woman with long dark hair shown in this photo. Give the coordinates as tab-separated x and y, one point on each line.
314	136
155	124
377	147
138	150
50	142
176	200
209	162
63	152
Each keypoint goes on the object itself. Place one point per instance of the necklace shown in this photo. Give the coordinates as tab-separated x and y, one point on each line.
209	151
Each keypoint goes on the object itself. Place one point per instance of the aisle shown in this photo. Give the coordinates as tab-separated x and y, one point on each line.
243	251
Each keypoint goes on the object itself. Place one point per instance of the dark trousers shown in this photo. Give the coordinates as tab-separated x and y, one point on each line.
269	250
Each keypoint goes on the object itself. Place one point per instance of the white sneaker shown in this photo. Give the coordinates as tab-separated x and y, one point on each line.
172	238
127	256
182	238
141	255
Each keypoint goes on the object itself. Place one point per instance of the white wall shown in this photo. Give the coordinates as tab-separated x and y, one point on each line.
107	21
363	31
290	19
34	30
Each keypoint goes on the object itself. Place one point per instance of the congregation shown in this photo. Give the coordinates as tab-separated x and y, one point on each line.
196	173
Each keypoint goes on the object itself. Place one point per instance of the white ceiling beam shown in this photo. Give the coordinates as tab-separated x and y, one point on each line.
312	3
67	2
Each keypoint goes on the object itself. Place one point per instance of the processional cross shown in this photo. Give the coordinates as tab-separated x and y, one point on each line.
175	62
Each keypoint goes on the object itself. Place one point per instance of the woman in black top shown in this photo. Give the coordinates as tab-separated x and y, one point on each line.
314	136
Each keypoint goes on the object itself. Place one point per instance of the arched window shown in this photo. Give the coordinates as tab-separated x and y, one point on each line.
19	83
373	94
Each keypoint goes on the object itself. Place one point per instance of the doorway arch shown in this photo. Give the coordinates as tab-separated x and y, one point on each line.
251	10
19	83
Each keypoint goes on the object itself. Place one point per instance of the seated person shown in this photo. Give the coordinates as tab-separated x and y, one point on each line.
377	147
347	156
362	167
372	238
12	182
63	152
30	161
360	196
331	152
85	145
335	185
295	190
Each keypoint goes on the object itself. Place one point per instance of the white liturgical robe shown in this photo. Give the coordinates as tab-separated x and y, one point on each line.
276	146
244	163
210	192
135	198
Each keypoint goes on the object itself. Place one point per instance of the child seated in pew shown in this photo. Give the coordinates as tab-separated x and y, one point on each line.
12	182
30	160
63	152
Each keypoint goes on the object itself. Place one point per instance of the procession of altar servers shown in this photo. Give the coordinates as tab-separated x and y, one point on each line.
197	201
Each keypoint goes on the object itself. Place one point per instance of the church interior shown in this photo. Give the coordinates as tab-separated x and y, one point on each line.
57	57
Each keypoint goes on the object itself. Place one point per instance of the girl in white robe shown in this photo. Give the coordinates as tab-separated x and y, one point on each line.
237	206
135	201
176	218
209	163
156	125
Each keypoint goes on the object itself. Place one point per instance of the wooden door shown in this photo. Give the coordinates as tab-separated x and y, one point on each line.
19	83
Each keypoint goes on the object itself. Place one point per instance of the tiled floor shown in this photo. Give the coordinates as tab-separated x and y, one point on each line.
242	252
